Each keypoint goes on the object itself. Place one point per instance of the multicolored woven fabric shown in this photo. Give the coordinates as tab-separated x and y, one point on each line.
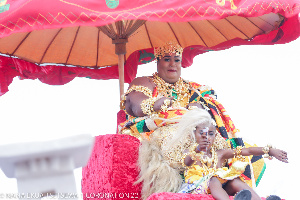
257	162
206	96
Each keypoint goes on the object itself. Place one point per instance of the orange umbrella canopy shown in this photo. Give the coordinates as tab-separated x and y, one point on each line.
91	46
57	40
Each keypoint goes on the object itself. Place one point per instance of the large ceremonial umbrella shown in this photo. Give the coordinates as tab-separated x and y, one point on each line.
58	40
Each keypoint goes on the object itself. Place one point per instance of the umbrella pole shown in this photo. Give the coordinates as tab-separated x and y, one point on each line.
119	37
120	50
121	73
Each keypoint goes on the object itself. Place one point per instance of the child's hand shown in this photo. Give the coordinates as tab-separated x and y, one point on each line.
203	145
279	154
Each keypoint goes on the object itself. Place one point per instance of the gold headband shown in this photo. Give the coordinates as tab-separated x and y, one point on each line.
169	48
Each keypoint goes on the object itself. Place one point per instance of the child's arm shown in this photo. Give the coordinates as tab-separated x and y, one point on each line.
256	151
188	161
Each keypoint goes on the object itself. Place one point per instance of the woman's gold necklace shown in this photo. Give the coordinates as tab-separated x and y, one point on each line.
180	89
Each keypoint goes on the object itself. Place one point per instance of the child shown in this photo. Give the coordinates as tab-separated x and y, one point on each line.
205	172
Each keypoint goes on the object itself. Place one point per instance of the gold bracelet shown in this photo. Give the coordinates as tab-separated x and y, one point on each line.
138	88
182	160
237	153
266	151
164	107
147	106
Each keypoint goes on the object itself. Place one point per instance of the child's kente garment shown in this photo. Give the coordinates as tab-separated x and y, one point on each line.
197	178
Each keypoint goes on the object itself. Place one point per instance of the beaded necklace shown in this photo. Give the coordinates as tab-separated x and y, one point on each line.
180	90
205	161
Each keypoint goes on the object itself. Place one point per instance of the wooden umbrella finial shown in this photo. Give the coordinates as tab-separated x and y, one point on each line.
119	35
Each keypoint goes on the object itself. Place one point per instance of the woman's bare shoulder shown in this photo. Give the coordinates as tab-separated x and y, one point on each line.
144	81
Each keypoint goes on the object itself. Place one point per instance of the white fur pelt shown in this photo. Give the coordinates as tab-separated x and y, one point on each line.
155	172
185	126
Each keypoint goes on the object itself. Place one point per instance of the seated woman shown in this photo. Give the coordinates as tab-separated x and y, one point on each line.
205	160
154	105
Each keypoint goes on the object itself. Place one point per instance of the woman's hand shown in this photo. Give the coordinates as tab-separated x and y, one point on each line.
158	103
279	154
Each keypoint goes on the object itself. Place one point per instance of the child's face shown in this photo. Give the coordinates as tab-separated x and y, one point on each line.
205	136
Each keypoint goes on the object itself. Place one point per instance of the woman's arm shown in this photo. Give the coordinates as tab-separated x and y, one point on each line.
135	98
256	151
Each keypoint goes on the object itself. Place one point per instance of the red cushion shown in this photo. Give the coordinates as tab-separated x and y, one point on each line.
112	169
178	196
121	117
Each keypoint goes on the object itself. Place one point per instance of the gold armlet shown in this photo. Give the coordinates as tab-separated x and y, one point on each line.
237	153
138	88
182	160
266	151
147	106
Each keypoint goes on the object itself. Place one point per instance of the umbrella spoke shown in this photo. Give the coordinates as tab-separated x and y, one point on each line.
59	30
217	29
72	45
98	36
20	43
128	25
148	35
135	26
255	25
198	34
237	28
120	27
174	33
109	31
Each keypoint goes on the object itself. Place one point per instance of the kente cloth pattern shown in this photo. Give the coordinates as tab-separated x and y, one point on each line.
145	125
197	179
138	126
257	163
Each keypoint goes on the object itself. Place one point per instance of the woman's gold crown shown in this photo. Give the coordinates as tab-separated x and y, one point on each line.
169	48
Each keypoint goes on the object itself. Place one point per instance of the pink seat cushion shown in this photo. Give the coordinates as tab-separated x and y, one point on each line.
112	169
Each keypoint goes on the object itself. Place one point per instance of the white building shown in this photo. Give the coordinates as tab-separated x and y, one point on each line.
46	168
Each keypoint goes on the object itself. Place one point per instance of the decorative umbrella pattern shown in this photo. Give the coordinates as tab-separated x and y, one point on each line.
58	40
